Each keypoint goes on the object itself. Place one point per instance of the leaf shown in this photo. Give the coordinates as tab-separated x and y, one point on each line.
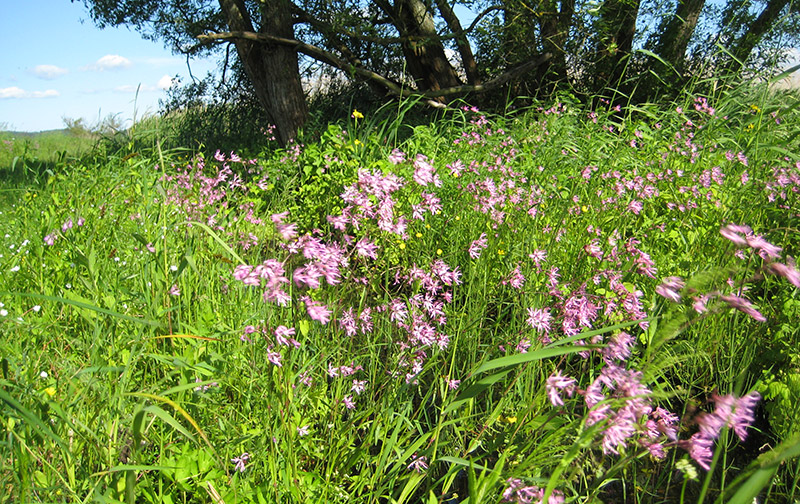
543	353
180	410
475	389
219	240
34	421
81	304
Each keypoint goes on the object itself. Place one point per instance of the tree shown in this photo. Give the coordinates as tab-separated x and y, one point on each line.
410	47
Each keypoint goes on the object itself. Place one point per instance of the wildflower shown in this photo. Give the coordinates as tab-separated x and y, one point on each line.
357	115
283	335
619	346
174	290
67	225
274	358
557	382
317	311
539	319
348	402
744	306
303	431
418	463
732	232
424	172
397	156
151	248
453	384
359	386
366	248
785	271
50	239
669	289
242	459
477	246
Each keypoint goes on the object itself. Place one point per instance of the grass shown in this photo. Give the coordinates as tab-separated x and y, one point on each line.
547	304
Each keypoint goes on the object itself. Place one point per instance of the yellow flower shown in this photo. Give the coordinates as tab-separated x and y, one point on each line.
501	252
357	114
418	235
51	391
357	142
402	246
438	251
458	217
584	209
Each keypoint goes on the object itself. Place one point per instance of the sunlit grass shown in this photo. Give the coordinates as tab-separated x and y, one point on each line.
496	308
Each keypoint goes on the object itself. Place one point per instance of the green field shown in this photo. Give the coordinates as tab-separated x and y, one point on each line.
572	303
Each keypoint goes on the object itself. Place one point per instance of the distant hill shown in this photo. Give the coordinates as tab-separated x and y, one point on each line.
34	134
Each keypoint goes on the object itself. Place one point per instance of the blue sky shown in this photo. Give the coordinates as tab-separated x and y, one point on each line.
55	63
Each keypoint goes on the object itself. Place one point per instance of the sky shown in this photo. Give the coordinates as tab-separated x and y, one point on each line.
56	64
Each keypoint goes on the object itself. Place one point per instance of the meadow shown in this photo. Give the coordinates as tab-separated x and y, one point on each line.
561	304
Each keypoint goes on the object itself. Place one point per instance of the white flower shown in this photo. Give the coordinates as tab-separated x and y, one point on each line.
14	269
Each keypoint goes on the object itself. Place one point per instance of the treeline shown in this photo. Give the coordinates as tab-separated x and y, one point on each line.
640	49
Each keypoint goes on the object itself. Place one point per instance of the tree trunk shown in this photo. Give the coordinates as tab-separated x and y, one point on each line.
467	58
616	30
755	32
554	27
425	57
272	69
676	32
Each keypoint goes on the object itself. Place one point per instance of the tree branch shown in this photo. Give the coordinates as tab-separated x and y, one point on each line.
394	88
410	38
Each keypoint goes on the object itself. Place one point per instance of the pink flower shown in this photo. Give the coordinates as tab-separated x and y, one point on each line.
477	246
418	463
283	335
317	311
274	358
366	248
397	156
733	232
785	271
539	319
555	383
744	306
670	288
242	459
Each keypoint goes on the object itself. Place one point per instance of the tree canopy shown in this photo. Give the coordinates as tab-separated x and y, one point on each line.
422	47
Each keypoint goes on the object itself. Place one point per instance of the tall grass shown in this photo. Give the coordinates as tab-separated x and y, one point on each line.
556	304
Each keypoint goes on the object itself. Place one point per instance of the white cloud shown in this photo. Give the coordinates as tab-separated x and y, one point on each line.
110	62
48	72
166	82
15	92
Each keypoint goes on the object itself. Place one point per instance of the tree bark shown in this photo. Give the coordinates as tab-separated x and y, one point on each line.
676	32
755	32
425	57
554	25
464	49
616	31
272	69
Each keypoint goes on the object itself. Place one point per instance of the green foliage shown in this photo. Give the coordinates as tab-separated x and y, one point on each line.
136	367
